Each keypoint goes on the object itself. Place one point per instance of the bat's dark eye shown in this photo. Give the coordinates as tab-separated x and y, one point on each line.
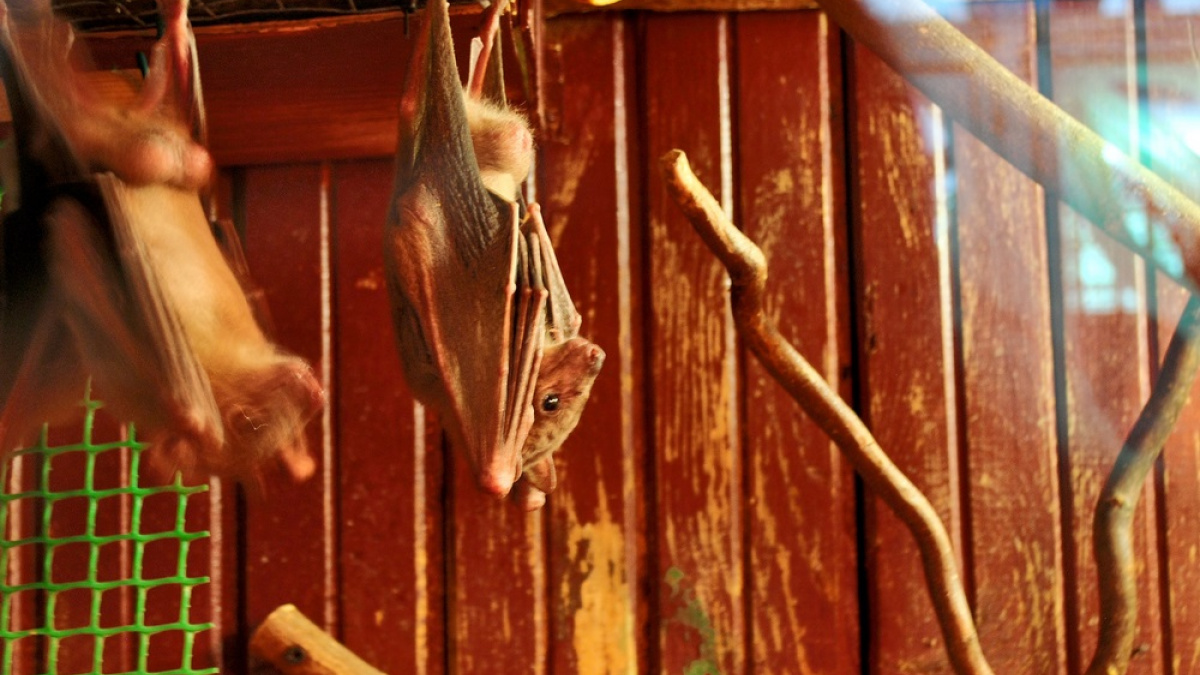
550	403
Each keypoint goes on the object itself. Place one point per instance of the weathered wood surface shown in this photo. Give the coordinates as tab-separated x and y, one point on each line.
701	520
900	226
288	531
802	591
389	584
296	91
1006	366
595	558
696	569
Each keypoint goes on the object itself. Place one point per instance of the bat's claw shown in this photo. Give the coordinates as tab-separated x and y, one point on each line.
529	497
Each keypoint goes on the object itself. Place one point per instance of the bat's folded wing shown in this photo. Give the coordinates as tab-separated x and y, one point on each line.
134	336
459	340
468	329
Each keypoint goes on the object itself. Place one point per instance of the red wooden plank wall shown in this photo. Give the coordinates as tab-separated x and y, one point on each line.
997	345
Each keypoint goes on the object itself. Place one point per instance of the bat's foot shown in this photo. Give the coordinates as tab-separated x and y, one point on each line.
529	497
538	480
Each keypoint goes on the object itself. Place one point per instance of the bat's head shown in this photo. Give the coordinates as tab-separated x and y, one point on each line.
265	411
563	386
503	146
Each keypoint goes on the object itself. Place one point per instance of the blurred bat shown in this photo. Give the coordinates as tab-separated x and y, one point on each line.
488	334
111	268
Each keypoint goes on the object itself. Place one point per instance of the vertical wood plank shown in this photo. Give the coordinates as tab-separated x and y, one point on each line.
114	560
1008	380
692	389
586	184
497	598
1104	324
206	513
162	602
803	583
23	522
907	364
1173	89
226	642
288	541
389	540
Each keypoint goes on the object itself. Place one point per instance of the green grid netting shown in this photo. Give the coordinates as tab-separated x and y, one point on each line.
140	586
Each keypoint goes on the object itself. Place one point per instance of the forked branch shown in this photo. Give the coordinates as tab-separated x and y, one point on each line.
748	272
1112	529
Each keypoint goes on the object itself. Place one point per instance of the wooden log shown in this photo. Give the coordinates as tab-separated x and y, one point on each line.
296	646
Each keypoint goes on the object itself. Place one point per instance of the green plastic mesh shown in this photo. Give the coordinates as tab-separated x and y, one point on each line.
139	587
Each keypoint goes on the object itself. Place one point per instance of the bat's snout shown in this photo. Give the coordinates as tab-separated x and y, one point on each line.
498	483
497	478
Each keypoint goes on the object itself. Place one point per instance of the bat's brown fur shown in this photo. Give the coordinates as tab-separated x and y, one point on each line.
486	328
503	147
133	275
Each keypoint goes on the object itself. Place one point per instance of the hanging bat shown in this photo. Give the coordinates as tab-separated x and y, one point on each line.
487	332
111	269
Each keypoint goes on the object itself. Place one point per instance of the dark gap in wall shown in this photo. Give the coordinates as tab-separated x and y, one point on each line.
448	557
329	184
963	449
745	512
857	374
235	654
653	574
1045	82
548	598
638	312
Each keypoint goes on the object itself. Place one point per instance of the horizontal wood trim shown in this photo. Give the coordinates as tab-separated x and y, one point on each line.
288	91
559	7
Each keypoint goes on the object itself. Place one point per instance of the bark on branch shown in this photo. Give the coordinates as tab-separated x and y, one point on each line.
748	272
1112	529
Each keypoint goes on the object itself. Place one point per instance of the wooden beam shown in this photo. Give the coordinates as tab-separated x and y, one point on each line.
560	7
288	91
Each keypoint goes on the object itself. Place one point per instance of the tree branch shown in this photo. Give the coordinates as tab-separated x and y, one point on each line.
1112	529
748	272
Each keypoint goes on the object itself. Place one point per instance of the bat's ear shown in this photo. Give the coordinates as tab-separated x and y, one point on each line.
432	114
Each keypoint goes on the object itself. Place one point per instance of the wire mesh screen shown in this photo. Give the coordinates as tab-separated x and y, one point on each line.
77	589
101	15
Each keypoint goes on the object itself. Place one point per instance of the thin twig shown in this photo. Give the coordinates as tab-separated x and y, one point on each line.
1112	529
748	273
1025	128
